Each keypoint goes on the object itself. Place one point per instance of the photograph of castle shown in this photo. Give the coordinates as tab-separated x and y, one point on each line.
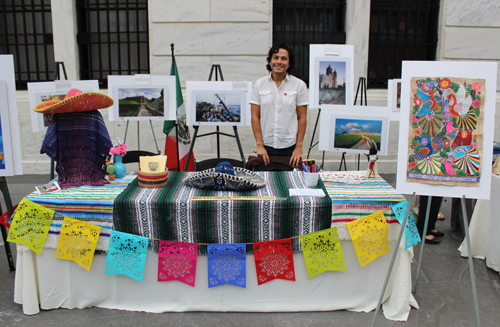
332	82
357	134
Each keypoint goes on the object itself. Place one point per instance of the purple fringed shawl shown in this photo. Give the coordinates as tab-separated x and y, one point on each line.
79	142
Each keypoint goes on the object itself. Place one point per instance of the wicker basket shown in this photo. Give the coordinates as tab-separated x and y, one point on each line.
152	180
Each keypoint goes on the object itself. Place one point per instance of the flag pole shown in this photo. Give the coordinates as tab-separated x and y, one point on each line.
176	122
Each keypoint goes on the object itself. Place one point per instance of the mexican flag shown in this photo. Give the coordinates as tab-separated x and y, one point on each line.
183	140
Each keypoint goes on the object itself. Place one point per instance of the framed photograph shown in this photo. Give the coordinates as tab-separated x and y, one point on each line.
357	135
331	75
6	162
49	91
142	97
354	133
446	130
394	94
9	119
218	103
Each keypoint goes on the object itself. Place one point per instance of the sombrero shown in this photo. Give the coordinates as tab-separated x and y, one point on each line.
75	101
225	177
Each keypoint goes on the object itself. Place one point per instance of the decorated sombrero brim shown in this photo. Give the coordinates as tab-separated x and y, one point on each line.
225	177
75	101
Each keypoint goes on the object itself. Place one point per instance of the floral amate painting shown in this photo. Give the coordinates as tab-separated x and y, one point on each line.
446	131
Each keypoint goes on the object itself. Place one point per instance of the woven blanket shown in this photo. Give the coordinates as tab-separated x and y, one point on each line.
169	214
79	142
93	204
354	201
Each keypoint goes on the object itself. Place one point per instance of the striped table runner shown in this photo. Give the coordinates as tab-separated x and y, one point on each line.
93	204
355	201
169	214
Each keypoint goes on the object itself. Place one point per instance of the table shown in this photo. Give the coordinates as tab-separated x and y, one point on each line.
48	283
169	214
484	227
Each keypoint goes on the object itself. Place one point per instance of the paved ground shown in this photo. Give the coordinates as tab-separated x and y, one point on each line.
444	294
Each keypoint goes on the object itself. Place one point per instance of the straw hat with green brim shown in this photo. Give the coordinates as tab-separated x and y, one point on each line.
75	101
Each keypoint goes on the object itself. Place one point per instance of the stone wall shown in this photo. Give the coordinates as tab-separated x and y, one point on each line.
237	35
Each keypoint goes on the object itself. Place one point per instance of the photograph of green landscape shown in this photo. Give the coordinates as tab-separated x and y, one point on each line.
141	102
353	133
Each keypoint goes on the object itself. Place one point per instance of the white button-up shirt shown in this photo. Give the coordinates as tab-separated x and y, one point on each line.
278	109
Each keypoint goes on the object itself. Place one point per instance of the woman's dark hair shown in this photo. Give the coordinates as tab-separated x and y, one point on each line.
275	49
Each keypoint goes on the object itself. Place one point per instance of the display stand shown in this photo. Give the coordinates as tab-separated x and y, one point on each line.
394	255
467	237
218	72
362	88
57	66
138	136
8	203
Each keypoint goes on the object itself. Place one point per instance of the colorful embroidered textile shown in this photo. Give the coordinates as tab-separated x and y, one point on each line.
273	260
445	138
126	255
79	142
322	251
355	201
369	237
177	261
92	204
411	231
30	225
77	242
169	214
227	264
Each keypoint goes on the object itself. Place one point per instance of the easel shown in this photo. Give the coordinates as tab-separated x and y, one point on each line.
218	71
138	136
57	66
362	87
467	237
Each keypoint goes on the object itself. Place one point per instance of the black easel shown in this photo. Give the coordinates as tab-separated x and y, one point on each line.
311	145
57	66
218	72
362	88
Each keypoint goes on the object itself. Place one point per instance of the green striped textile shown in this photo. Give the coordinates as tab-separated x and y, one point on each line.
168	213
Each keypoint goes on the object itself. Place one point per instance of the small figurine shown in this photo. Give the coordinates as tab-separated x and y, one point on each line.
372	171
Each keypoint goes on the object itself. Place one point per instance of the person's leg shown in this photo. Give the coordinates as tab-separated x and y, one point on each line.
422	207
435	206
421	220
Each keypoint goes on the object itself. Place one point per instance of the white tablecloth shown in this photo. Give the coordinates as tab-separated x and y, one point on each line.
42	281
484	229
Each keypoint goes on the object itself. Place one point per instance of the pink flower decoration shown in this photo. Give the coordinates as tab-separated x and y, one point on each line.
415	120
475	104
413	164
121	149
476	86
474	145
417	101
